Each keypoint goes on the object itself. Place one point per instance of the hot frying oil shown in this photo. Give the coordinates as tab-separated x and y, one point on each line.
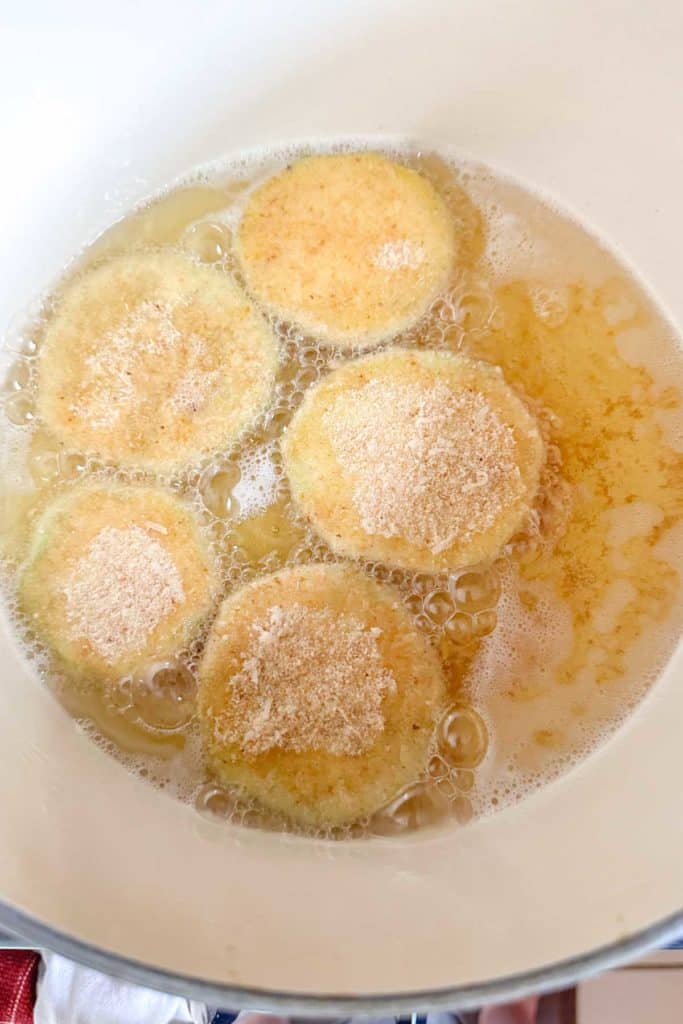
546	650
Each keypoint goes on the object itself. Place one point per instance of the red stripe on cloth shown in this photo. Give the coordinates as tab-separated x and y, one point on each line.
18	973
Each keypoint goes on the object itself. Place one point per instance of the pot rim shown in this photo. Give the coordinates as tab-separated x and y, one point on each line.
548	978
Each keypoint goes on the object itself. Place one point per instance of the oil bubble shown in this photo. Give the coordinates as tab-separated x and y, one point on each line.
216	486
309	353
164	695
208	241
19	409
437	768
44	464
462	810
446	787
307	376
277	421
414	807
215	801
463	737
73	464
453	336
423	582
475	591
484	622
413	603
121	693
424	623
475	309
464	779
459	629
18	376
439	606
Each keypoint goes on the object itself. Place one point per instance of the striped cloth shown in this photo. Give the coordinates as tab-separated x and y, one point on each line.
18	973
